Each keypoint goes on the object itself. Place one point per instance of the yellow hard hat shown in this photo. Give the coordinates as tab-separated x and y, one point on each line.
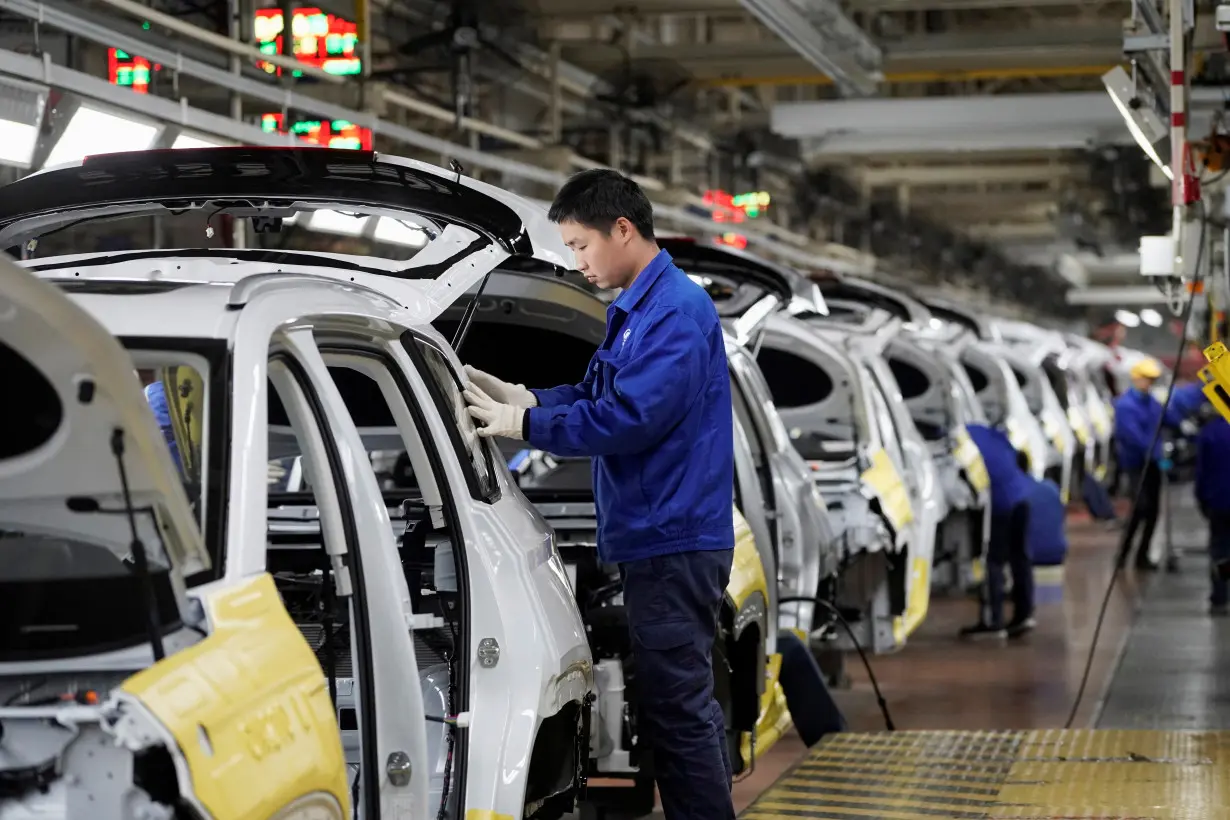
1146	369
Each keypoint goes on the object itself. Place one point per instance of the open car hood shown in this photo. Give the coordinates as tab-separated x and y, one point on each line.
477	226
71	387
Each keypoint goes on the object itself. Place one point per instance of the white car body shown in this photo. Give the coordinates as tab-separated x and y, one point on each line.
848	436
526	660
980	348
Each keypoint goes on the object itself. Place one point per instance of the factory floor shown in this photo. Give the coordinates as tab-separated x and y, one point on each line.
980	725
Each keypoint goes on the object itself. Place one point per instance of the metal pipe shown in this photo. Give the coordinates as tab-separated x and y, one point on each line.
1178	129
916	76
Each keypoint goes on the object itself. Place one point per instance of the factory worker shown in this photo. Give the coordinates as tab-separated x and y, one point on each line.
653	409
1212	486
1137	415
1010	491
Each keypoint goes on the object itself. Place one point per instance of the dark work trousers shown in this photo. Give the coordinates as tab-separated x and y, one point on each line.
1009	546
672	603
1145	513
1219	553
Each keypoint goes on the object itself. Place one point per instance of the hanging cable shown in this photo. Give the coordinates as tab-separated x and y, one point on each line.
1124	547
875	684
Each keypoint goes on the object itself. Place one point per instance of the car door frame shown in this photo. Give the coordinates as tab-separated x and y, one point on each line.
272	324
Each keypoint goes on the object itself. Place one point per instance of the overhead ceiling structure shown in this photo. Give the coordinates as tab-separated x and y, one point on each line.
966	144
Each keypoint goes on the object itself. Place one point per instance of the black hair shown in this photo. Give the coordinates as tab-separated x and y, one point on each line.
1022	460
597	197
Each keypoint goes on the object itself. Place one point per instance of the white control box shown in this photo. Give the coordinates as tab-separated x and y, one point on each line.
1222	17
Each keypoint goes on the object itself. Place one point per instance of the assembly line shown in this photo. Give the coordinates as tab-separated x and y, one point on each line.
317	529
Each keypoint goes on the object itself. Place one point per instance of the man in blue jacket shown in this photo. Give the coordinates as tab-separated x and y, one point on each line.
1137	415
1010	489
654	411
1047	541
1213	494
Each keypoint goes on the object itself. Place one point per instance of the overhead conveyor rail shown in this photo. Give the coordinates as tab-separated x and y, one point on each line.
770	239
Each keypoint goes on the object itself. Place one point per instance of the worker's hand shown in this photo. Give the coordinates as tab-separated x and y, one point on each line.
493	418
501	391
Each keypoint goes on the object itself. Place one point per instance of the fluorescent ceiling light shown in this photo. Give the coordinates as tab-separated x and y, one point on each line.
396	232
198	141
337	222
1146	127
92	131
1151	317
17	142
1127	318
21	113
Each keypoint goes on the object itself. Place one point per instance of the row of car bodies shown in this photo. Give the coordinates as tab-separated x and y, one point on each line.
347	583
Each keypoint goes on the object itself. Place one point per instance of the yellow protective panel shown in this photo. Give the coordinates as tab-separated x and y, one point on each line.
186	404
486	814
1051	429
774	720
919	597
1049	773
249	708
882	477
969	457
1216	378
1079	428
747	571
1018	439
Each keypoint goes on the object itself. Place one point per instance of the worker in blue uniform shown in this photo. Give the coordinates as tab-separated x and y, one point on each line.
1047	540
156	395
1211	485
1137	416
654	411
1010	490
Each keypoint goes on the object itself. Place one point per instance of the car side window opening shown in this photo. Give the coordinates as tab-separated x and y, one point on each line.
382	405
305	574
446	389
178	395
822	416
890	434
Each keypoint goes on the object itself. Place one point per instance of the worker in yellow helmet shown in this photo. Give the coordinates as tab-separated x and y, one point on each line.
1137	415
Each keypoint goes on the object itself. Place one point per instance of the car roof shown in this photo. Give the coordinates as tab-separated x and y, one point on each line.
194	310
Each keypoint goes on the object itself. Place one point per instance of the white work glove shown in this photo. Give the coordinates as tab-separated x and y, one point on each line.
501	391
494	418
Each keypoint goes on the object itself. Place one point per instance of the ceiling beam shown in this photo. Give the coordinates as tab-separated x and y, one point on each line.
1009	231
944	114
965	174
1012	50
1128	295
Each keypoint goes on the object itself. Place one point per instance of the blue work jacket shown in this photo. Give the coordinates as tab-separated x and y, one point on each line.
655	413
1213	466
1136	419
156	395
1187	399
1046	539
1009	483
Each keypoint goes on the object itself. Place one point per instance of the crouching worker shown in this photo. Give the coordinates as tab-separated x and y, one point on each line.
1010	492
812	708
1047	543
1213	494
